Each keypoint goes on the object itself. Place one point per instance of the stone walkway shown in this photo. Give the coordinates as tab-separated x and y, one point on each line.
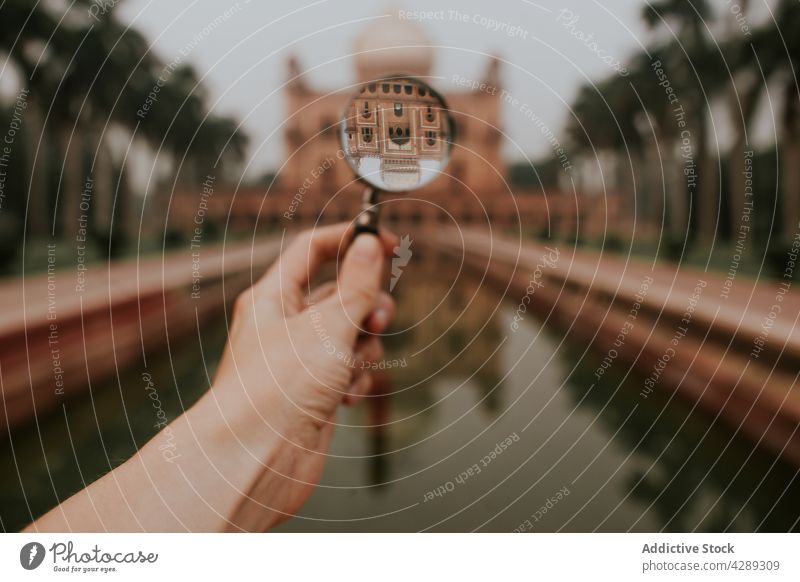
61	330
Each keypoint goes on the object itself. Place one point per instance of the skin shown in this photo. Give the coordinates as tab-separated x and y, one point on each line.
249	453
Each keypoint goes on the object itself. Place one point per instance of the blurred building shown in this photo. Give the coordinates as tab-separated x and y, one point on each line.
386	47
316	184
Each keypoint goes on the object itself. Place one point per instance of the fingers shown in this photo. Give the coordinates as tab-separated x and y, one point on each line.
368	349
308	252
379	320
359	284
321	293
359	388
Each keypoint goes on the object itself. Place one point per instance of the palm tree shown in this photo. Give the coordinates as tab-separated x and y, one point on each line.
24	31
601	127
770	45
662	190
120	85
87	77
180	127
690	69
745	87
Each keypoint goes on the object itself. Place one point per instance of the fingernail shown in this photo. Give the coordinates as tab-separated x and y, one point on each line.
381	318
364	384
366	248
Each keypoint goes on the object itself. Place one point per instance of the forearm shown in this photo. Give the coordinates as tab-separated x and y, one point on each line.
250	452
216	460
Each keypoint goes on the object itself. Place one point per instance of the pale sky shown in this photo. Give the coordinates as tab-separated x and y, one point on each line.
244	54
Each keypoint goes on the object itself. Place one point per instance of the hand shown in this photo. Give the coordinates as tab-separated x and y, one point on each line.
249	452
293	356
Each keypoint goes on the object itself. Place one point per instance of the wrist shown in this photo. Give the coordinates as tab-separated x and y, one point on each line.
256	423
224	453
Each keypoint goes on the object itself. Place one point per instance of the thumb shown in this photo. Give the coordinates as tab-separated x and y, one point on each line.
359	284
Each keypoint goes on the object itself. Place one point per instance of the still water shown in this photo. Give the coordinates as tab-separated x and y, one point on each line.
478	427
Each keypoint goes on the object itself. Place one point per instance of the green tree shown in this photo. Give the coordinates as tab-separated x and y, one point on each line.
88	77
693	72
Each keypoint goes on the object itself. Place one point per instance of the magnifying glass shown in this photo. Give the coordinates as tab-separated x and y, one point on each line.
396	134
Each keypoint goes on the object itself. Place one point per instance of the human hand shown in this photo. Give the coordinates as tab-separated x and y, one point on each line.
294	355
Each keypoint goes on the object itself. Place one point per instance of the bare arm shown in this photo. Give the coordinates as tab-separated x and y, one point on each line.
250	451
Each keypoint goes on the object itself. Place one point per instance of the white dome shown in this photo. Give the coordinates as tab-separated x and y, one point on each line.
391	45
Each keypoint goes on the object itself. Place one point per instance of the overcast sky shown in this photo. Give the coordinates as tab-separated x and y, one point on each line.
244	56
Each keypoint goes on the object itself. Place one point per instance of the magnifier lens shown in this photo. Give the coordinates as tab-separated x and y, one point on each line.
397	133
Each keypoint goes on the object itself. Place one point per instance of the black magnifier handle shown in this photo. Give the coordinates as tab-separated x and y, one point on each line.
367	221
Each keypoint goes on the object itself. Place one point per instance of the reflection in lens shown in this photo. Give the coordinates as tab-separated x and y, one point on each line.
397	133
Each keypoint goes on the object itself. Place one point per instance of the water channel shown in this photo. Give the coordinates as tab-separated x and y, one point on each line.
479	427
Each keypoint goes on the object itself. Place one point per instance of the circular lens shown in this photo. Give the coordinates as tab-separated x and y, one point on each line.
396	133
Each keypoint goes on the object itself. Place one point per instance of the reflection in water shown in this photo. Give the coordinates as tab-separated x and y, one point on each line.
474	426
379	413
471	382
695	472
93	434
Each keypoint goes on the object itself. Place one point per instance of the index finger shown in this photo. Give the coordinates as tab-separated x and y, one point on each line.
308	252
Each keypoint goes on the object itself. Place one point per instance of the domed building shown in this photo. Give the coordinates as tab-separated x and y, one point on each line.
391	46
317	185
